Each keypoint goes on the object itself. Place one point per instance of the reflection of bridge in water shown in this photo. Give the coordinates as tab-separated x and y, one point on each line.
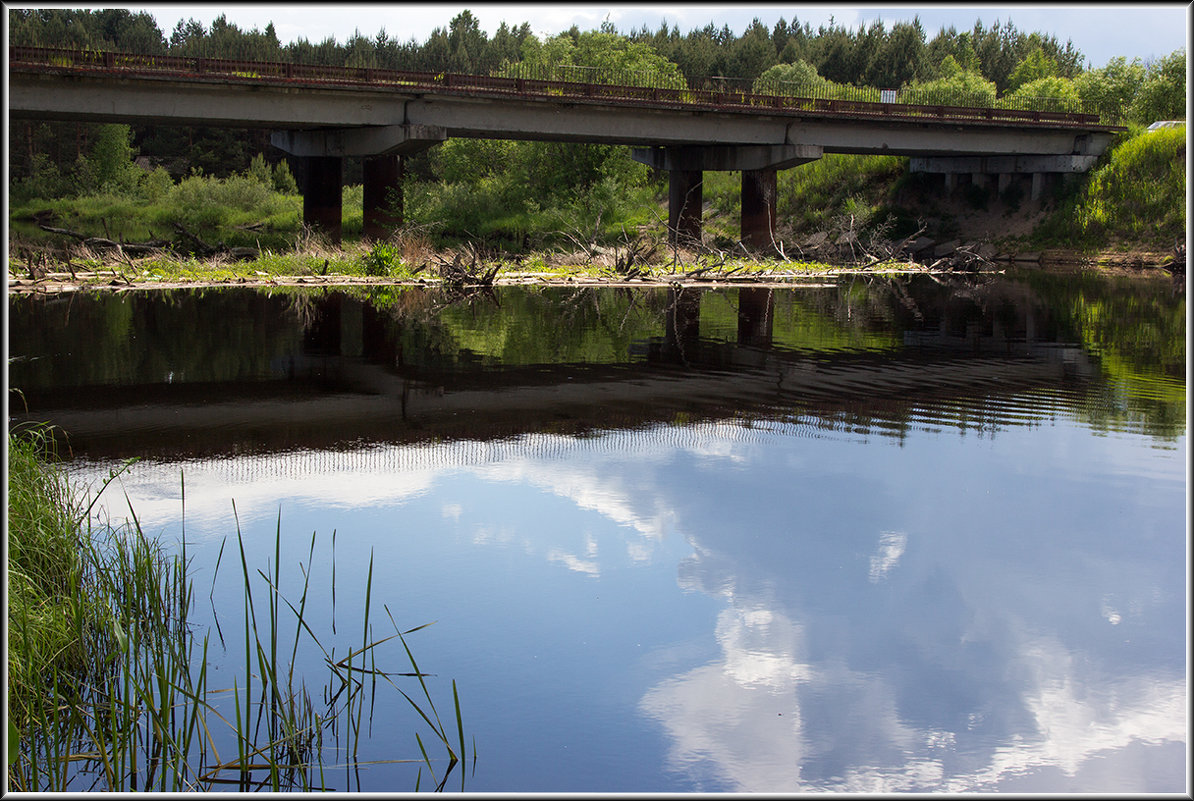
348	386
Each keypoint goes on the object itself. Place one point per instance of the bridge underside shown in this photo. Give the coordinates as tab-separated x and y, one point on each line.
323	125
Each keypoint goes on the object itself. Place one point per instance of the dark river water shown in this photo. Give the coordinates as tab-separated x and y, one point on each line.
876	535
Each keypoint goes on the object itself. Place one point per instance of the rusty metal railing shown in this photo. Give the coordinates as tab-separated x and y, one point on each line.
601	85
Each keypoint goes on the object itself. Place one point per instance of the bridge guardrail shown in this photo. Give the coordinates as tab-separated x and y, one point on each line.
518	85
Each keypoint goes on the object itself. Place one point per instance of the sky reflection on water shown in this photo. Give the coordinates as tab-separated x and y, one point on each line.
785	608
923	535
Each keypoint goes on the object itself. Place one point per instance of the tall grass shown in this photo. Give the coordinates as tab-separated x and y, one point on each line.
109	686
1136	194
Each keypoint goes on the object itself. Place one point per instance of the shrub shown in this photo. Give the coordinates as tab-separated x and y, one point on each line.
1044	94
963	88
381	260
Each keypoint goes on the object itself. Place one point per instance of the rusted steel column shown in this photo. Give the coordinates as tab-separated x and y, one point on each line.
758	208
383	196
684	203
322	191
756	307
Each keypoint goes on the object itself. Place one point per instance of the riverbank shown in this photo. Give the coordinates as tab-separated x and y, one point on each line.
320	267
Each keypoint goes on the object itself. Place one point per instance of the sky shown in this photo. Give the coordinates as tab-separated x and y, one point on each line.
1099	31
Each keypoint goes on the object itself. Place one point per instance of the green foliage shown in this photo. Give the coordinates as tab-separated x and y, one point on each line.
381	260
156	184
962	88
1109	91
260	171
1163	94
1044	94
110	162
45	180
1033	67
214	203
596	57
799	79
810	197
1140	190
283	179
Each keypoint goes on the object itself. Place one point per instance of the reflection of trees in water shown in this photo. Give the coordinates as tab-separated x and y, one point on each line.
1134	329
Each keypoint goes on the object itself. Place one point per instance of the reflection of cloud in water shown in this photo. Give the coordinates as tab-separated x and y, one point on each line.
590	488
765	720
891	548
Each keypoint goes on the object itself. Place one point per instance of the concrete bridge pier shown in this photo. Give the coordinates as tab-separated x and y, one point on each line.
382	195
382	147
684	205
758	164
758	208
322	193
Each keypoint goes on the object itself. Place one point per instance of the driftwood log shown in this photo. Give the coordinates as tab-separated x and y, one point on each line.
154	247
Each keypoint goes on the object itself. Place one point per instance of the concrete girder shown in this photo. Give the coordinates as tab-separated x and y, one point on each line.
994	165
924	139
726	157
160	100
375	140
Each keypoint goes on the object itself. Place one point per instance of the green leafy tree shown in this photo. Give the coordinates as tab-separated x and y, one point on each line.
283	179
1163	93
598	57
1109	91
897	60
111	160
799	79
1045	94
751	54
959	87
1033	67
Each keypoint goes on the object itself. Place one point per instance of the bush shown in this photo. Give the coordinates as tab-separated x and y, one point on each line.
381	260
215	202
156	185
961	89
1044	94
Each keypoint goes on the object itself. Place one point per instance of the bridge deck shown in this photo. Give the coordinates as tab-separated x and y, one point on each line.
67	61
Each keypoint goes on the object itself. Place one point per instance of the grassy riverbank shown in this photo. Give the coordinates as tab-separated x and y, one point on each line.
108	680
243	229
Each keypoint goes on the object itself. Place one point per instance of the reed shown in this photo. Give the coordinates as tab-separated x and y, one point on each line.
109	686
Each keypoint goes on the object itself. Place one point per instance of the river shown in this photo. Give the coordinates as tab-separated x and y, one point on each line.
919	533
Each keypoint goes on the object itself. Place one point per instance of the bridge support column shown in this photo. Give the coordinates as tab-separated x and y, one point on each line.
382	196
1038	185
684	203
758	165
758	208
1005	180
322	192
951	182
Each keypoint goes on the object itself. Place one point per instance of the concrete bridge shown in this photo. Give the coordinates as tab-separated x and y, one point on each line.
324	114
